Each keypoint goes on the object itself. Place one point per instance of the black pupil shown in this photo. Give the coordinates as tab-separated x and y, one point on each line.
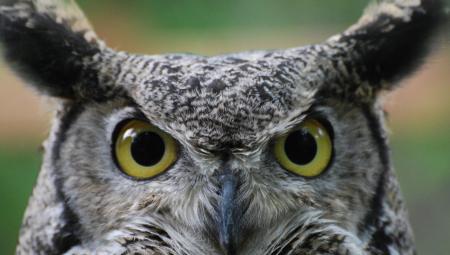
147	148
300	147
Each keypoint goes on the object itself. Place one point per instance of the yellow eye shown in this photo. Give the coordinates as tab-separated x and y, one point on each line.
143	151
305	151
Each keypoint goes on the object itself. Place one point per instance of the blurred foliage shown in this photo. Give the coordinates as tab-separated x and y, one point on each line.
207	15
19	167
423	166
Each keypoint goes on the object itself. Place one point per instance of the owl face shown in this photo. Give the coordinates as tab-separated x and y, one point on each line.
225	145
269	152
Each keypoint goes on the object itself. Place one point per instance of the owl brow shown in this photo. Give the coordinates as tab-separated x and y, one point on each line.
138	114
137	111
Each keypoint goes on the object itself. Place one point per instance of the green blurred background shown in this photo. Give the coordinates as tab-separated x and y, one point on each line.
419	112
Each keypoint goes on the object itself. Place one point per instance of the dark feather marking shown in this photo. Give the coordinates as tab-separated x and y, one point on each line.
67	237
379	239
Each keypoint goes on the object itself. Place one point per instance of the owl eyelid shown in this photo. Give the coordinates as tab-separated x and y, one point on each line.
311	113
320	117
134	113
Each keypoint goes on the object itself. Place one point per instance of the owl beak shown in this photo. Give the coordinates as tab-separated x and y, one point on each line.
228	227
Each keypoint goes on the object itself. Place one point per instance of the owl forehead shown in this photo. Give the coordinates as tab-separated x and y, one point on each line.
232	100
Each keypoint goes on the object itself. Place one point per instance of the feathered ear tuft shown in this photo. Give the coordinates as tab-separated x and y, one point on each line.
389	42
49	43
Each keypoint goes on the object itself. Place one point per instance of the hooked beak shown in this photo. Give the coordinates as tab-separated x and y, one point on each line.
228	224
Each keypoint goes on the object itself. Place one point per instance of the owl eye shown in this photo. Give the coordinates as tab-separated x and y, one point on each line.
141	150
306	150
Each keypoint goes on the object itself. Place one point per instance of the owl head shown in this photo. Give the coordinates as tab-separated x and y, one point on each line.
262	152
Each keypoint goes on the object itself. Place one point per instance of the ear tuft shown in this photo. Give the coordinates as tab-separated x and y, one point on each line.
50	54
389	42
396	36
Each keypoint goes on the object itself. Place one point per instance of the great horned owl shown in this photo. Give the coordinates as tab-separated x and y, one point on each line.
263	152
